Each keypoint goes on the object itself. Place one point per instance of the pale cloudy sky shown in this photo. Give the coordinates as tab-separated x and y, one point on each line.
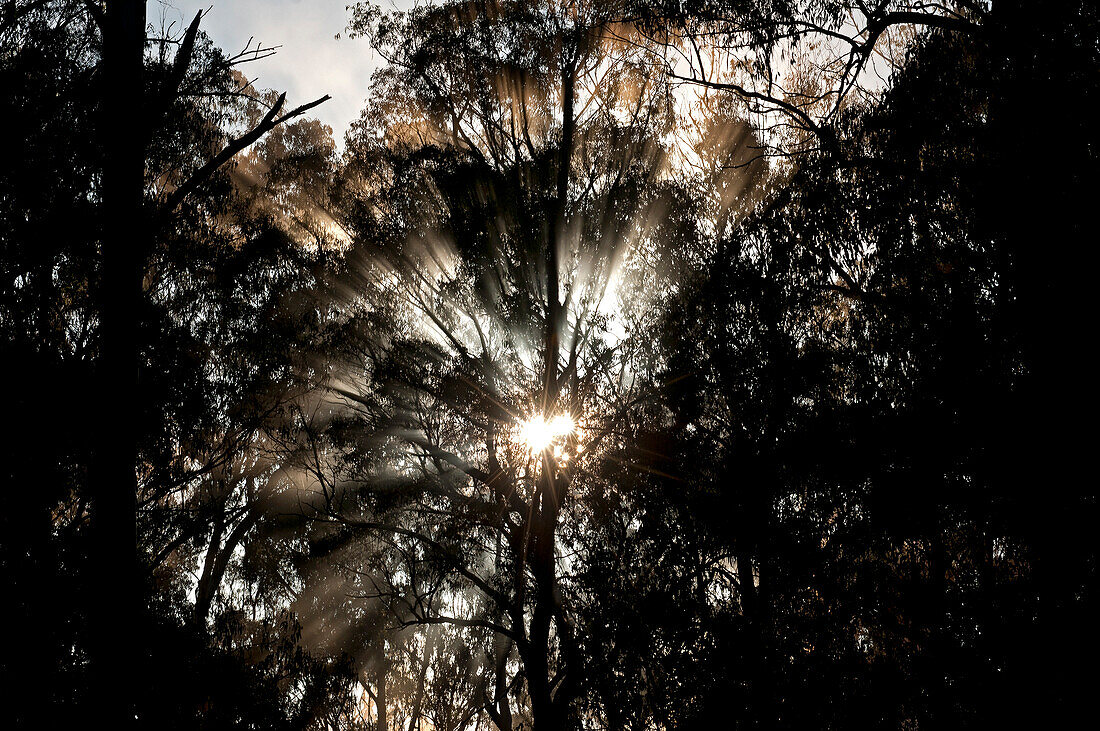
311	62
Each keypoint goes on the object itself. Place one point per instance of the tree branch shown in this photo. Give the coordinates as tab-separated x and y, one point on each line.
268	123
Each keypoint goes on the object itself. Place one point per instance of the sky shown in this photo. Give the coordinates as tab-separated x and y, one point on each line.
311	62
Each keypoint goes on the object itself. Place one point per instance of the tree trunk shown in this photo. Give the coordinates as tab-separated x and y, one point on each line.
550	712
543	705
380	678
502	711
112	475
421	682
219	560
204	591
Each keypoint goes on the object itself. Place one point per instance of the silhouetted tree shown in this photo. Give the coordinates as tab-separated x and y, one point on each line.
159	279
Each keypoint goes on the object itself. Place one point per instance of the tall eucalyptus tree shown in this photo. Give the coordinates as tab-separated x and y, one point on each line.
511	163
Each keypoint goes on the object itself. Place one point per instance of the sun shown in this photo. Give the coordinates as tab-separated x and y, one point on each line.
539	434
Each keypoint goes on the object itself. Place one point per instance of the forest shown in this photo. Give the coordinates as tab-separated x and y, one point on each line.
629	364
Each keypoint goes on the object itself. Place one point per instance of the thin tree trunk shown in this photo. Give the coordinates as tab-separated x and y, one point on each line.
502	715
211	580
203	590
421	681
380	678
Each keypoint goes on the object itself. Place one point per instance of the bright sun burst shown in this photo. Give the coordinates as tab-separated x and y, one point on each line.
539	434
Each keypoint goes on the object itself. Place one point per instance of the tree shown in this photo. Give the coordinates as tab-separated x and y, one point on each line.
797	66
518	165
113	288
901	371
126	242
